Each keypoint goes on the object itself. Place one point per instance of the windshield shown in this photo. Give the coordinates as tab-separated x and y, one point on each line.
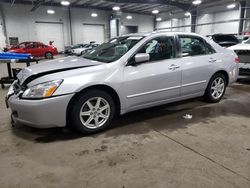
248	41
113	50
22	45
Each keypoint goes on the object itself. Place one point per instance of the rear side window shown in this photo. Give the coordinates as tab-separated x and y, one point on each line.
194	46
222	38
210	49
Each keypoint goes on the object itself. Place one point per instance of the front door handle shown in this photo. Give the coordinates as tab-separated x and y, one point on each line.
174	67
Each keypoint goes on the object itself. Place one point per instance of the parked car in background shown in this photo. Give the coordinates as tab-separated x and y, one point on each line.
36	49
20	45
127	73
243	51
247	41
243	38
225	40
83	49
68	49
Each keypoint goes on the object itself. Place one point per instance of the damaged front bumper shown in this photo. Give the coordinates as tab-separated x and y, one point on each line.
40	113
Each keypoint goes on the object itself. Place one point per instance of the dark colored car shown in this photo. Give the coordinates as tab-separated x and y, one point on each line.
225	40
36	49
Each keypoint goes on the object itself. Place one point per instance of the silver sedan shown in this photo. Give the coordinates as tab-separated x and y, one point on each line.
127	73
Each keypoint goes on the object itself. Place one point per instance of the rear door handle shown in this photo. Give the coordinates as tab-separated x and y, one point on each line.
174	67
212	60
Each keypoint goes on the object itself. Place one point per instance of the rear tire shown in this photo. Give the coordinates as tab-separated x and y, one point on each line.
216	88
48	55
92	112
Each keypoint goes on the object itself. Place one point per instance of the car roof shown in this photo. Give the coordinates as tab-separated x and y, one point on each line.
28	42
160	31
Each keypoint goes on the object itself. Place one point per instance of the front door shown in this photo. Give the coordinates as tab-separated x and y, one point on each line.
154	82
32	49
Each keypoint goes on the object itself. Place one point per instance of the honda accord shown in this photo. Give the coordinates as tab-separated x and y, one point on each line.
125	74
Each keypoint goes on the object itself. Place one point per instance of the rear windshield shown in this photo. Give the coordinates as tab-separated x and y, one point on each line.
225	38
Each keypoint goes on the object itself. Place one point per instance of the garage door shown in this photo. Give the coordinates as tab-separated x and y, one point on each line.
50	32
93	33
2	38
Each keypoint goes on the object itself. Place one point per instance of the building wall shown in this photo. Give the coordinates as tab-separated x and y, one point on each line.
20	22
175	22
247	22
80	16
218	21
145	23
209	20
2	31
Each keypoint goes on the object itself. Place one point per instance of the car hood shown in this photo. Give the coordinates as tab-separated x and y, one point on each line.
240	47
63	64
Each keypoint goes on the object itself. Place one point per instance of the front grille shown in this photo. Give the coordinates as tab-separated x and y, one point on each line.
244	55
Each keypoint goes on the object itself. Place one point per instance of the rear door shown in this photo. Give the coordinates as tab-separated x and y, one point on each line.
197	62
41	49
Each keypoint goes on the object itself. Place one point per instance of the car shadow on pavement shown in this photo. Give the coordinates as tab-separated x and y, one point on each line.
169	112
244	80
167	117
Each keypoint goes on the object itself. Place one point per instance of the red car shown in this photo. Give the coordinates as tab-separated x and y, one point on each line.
36	49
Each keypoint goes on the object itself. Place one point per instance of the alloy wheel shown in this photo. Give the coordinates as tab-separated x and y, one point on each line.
217	88
49	55
94	112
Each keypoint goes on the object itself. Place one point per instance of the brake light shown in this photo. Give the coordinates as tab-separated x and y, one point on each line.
237	60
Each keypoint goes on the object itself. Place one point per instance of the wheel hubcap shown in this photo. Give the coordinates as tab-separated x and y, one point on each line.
49	55
95	112
218	87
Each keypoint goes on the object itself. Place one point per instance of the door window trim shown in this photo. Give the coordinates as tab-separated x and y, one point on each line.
206	44
138	49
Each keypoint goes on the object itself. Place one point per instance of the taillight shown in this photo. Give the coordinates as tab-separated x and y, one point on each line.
237	60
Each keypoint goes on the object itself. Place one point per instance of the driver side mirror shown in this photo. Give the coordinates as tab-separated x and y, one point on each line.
141	58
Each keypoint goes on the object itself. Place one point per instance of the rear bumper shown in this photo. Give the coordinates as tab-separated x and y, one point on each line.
44	113
233	74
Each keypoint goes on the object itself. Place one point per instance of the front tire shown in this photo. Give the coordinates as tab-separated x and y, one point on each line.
92	112
216	88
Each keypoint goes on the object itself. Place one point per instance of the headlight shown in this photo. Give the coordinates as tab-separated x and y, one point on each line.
42	90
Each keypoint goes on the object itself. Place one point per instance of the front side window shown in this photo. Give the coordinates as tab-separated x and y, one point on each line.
113	50
22	45
192	46
159	48
31	45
